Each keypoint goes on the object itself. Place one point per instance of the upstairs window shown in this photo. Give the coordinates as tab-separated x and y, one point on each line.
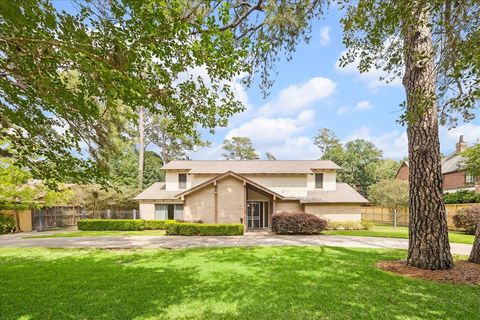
182	181
469	178
319	180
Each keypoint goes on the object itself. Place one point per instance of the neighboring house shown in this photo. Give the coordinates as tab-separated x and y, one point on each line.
454	179
248	192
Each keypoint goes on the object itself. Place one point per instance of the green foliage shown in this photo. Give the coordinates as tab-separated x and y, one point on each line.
202	229
360	159
392	194
113	224
468	219
152	172
88	72
462	196
297	223
349	225
239	148
155	224
270	156
7	224
472	160
93	198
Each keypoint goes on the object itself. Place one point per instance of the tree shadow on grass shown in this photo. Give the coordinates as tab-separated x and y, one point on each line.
221	283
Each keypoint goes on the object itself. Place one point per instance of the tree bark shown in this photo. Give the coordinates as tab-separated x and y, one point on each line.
141	146
475	254
429	247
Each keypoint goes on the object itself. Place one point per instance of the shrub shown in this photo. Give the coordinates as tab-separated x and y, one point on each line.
202	229
7	224
349	225
467	219
297	223
155	224
111	224
463	196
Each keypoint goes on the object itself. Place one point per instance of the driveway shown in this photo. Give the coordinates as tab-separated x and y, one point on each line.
125	242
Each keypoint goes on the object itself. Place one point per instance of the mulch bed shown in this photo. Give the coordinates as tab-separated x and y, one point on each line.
463	273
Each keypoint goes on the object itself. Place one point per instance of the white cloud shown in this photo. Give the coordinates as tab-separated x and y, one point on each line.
364	105
325	36
449	137
341	111
372	77
394	143
295	98
296	148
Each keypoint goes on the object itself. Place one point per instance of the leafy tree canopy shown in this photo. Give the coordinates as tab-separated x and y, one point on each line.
239	148
472	160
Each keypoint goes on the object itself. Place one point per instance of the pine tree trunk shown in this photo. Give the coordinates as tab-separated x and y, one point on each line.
428	236
475	254
141	146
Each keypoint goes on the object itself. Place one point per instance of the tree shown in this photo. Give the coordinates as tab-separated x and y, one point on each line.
270	156
69	79
391	194
475	253
472	160
326	140
152	172
385	169
433	46
357	159
239	148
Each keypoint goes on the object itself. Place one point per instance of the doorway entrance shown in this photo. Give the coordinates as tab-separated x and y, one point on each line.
257	214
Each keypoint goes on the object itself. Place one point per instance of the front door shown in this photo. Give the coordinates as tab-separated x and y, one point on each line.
257	214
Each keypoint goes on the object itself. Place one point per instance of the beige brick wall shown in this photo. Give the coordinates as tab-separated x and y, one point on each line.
231	200
200	205
334	212
147	210
287	206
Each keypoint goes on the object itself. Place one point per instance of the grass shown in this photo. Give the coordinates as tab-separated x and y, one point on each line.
72	234
400	232
221	283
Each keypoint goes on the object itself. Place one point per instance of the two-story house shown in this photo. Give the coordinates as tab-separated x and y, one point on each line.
454	178
249	192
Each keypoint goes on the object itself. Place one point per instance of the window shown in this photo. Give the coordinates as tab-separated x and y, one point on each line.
182	181
169	211
319	180
469	178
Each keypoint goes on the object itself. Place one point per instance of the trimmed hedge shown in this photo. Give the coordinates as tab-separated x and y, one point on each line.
7	224
467	219
111	224
155	224
463	196
175	228
297	223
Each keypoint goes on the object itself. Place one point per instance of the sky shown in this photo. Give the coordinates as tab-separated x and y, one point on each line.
311	92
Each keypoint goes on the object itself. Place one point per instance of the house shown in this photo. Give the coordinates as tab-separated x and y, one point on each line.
454	179
248	192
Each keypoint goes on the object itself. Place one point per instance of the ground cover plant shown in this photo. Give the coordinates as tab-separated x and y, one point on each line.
221	283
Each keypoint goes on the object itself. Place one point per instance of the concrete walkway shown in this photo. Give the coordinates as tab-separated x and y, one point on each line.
234	241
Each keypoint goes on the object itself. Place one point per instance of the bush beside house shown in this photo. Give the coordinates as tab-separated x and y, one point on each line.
297	223
463	196
467	219
349	225
202	229
111	224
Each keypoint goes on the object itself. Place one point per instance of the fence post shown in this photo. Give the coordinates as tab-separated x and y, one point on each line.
134	212
108	213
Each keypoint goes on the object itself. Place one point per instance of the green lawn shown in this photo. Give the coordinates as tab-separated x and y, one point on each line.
71	234
221	283
399	232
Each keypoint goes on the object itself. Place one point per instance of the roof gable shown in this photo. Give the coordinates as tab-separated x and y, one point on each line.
229	174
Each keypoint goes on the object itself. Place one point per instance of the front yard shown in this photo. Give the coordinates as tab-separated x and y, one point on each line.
221	283
386	231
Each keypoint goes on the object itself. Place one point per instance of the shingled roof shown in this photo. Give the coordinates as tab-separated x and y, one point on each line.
343	194
251	166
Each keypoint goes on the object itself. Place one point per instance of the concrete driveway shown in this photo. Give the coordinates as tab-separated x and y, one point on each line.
124	242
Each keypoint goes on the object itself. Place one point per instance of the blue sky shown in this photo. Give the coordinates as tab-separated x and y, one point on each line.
311	92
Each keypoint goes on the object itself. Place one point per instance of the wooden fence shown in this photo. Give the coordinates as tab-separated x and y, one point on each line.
382	215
